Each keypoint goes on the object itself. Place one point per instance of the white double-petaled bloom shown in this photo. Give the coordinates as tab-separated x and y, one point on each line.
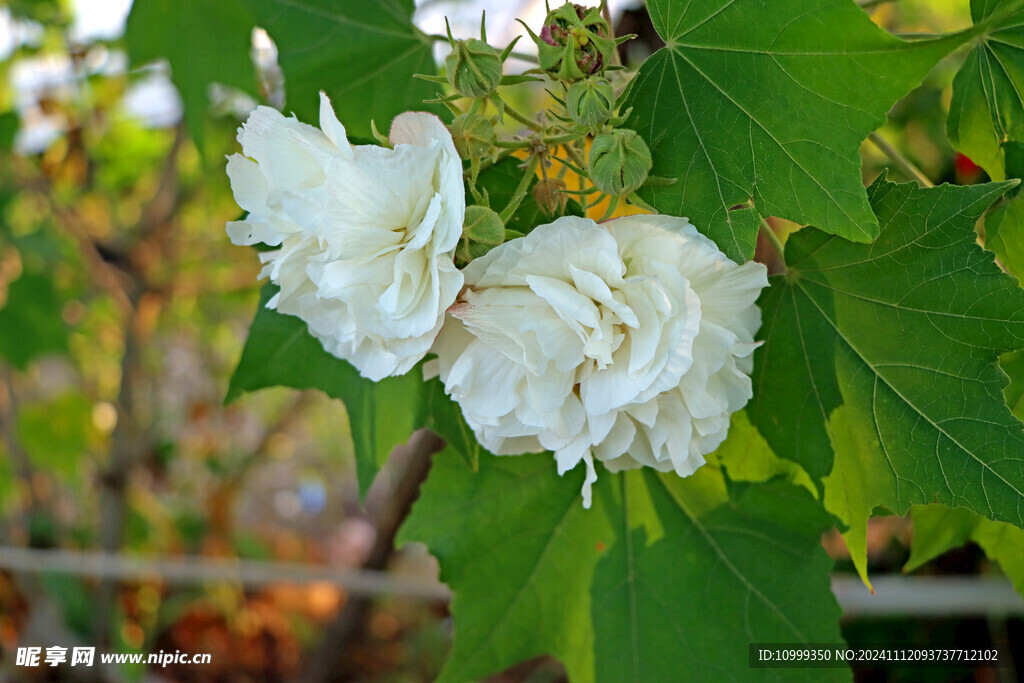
630	342
365	233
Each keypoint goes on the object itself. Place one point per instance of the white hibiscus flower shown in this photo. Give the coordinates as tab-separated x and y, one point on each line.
365	233
630	342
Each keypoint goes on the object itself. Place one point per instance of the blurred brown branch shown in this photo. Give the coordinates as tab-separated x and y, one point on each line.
284	422
128	440
412	463
22	466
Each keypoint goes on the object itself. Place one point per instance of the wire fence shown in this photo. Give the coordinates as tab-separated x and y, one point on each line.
921	596
186	570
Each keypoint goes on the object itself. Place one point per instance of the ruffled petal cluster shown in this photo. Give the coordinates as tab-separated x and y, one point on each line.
364	234
629	342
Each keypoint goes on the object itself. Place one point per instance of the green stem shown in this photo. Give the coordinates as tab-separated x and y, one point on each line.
521	189
562	139
523	56
574	155
607	15
512	144
612	205
582	193
523	144
522	118
901	161
474	174
597	200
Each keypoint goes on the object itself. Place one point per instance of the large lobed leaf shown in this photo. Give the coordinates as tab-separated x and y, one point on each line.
770	100
987	109
444	417
1004	235
280	352
938	528
663	575
30	320
688	590
518	550
363	53
204	42
885	355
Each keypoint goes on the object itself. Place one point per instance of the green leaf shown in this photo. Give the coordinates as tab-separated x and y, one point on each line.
849	488
1004	234
30	320
938	529
987	109
684	591
518	550
362	53
280	352
204	42
444	416
1013	365
76	599
746	457
9	123
1003	543
57	434
8	481
770	101
658	577
904	335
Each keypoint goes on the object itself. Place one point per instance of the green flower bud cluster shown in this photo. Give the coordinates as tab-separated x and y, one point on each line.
575	42
473	68
473	135
482	230
619	162
591	103
576	47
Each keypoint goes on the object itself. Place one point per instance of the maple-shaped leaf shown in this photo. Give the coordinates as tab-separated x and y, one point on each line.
661	575
987	109
770	100
885	355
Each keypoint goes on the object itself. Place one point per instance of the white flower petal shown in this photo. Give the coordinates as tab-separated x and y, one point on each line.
629	342
332	127
366	234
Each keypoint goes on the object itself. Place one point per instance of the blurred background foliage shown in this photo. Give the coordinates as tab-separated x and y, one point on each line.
123	310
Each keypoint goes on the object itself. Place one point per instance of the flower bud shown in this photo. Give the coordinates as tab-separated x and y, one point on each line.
482	230
549	195
474	68
591	102
574	42
473	135
619	162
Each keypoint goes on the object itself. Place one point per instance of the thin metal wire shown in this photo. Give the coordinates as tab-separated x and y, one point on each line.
932	596
192	570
